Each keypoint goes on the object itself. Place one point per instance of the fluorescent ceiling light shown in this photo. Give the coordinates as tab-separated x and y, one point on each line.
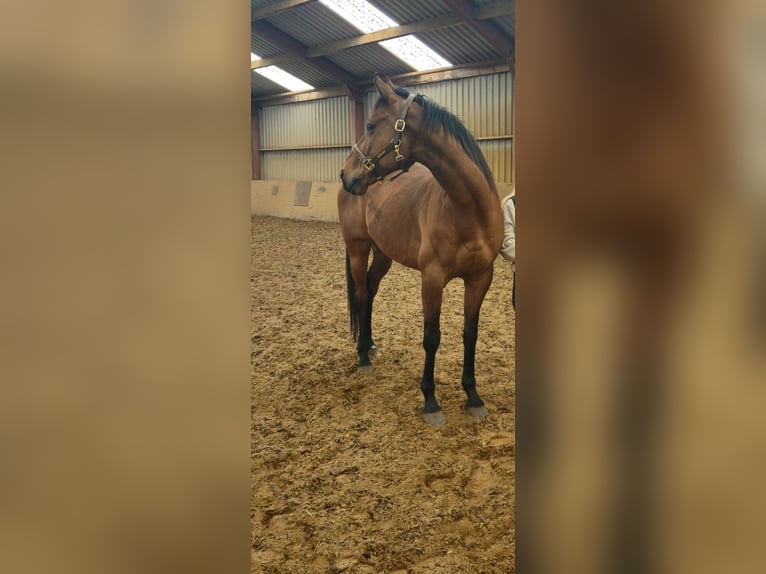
367	18
279	76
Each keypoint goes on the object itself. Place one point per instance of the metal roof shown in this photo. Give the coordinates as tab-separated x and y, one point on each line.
467	32
459	44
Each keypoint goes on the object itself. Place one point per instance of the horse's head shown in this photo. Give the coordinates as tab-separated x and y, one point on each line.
387	142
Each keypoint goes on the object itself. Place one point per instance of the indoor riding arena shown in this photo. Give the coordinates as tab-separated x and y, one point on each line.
346	474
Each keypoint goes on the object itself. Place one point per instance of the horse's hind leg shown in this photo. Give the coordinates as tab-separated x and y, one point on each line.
381	263
475	290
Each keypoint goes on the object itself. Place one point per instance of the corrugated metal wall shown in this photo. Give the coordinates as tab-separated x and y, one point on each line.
322	128
311	165
316	123
498	156
306	140
484	105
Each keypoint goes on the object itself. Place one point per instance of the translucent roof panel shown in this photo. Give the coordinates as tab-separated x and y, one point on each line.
279	76
367	18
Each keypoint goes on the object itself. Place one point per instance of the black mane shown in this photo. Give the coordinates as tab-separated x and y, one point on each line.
436	116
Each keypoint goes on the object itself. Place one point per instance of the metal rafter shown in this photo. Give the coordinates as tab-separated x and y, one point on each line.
473	16
276	8
386	34
271	61
294	48
406	79
494	37
500	8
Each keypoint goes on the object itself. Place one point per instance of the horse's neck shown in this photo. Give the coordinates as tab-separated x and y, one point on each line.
456	172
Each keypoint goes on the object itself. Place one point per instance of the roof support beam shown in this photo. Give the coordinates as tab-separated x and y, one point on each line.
494	37
408	79
271	61
499	8
275	8
296	49
386	34
294	97
453	73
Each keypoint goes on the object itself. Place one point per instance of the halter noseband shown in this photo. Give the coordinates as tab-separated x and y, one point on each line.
369	163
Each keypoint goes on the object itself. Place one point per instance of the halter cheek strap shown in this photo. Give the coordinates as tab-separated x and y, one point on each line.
369	163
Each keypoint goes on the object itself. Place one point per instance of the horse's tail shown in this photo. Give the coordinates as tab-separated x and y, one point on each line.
352	311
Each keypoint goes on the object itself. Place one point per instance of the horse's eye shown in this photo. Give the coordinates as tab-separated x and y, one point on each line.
370	128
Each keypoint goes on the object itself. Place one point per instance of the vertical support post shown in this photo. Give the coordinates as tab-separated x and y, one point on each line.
357	118
513	130
255	143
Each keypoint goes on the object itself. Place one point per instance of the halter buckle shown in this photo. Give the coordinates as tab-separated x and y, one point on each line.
400	125
368	165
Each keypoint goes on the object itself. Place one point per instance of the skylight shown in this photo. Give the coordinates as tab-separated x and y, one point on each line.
366	18
279	76
360	13
415	53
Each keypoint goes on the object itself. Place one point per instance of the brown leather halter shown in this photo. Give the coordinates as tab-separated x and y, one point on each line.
370	163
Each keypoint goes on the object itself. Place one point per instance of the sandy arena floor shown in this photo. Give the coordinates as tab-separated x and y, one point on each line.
346	477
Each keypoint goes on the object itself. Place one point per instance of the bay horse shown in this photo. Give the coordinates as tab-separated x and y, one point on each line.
441	216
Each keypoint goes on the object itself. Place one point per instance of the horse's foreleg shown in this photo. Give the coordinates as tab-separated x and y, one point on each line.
432	288
359	301
475	290
381	263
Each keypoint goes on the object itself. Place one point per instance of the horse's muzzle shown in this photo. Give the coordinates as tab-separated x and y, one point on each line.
354	187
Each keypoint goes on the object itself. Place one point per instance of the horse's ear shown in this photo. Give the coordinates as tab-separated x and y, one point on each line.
390	83
376	81
384	89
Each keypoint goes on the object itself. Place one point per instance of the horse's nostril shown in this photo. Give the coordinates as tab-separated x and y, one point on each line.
341	174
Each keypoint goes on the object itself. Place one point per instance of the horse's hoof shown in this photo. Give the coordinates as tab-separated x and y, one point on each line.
480	413
436	418
374	351
364	369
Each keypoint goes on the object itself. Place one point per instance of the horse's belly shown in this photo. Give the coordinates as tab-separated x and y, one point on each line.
396	234
397	246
